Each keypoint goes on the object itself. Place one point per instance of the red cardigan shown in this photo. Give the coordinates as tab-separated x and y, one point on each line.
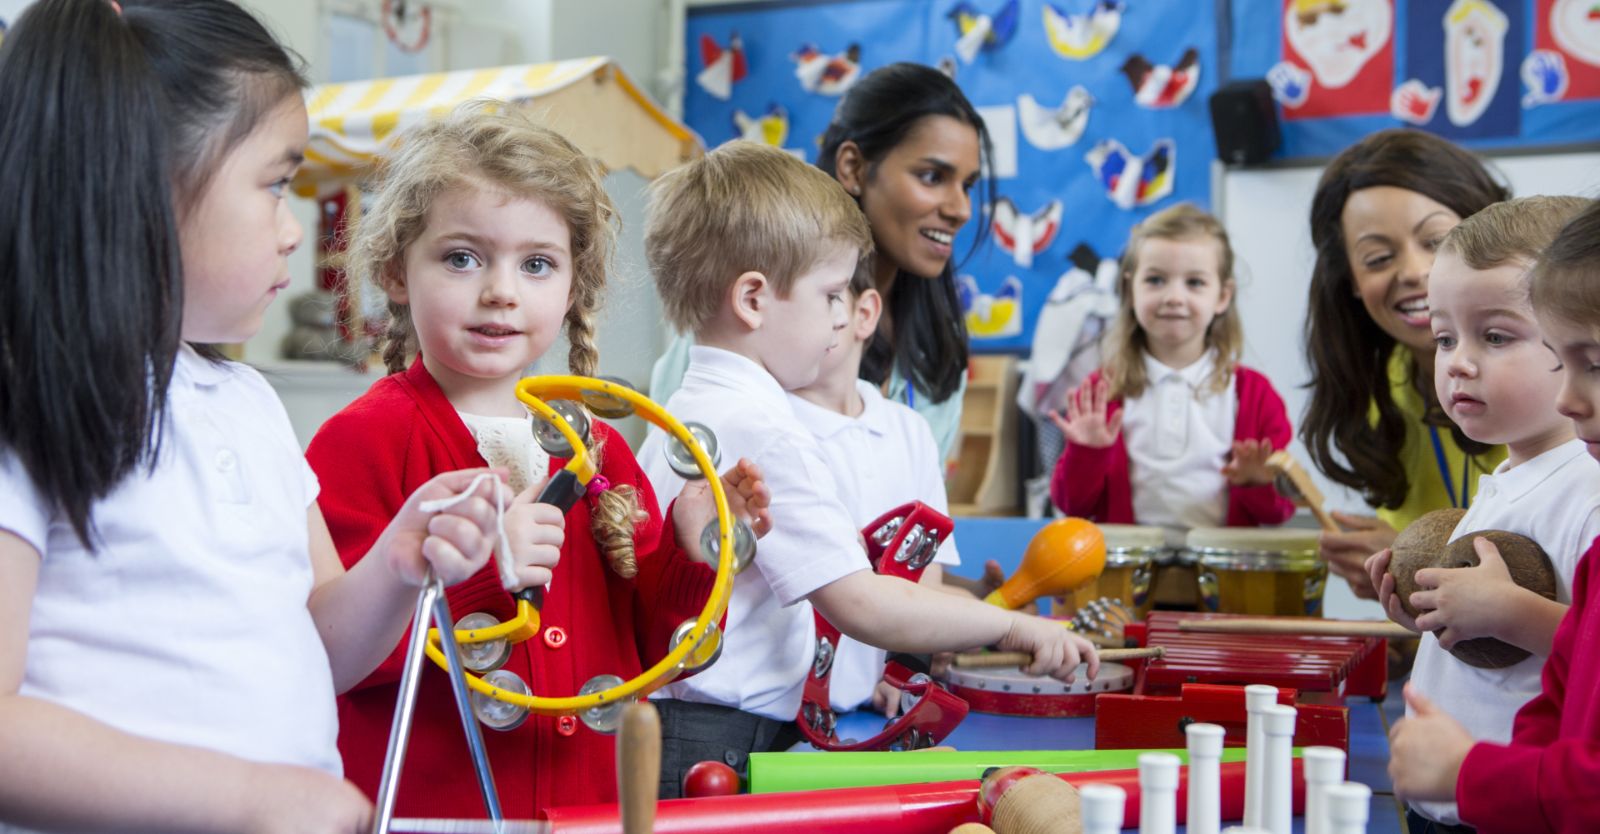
1548	778
369	458
1094	483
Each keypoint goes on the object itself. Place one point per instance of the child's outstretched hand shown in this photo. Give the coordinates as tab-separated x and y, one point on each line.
1378	571
536	532
455	541
1057	650
1465	602
1425	751
1086	423
1247	466
748	498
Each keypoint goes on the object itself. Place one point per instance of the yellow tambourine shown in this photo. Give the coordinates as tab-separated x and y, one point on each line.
500	698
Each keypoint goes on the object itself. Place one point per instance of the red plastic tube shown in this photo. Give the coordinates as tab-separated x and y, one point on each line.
931	808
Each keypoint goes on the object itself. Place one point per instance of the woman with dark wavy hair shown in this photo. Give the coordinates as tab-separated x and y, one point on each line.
1374	423
909	146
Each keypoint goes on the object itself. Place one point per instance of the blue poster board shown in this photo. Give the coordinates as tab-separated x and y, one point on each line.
774	72
1489	74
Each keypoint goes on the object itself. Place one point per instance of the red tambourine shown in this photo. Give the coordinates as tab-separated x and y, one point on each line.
901	542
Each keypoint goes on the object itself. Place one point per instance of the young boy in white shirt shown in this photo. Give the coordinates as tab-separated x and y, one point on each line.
752	251
1498	380
883	455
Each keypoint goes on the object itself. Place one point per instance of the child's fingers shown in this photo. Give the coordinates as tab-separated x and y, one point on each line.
450	564
1055	417
1114	425
1424	601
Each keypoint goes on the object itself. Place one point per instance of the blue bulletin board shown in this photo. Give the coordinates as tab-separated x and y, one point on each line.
1097	109
1490	74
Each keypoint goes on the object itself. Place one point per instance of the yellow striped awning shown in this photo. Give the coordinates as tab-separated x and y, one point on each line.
589	100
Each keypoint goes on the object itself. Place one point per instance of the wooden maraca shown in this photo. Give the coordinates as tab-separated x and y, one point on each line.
1026	800
1425	544
1064	554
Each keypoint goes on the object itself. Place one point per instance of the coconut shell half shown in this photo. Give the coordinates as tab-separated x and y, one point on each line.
1530	568
1420	546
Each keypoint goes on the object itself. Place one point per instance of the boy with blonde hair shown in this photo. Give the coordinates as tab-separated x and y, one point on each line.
753	251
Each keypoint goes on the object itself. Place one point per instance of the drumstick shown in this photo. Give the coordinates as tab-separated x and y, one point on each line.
1307	626
638	767
1001	660
1297	486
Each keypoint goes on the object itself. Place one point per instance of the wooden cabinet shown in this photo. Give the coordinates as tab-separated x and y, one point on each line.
984	479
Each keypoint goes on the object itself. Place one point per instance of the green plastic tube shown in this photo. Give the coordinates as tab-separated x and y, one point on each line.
779	772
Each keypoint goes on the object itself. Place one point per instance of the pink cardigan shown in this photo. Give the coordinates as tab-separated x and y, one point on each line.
1094	483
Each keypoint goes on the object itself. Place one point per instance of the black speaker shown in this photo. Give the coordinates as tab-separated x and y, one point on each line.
1245	122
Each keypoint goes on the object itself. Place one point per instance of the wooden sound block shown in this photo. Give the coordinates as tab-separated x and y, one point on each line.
1295	484
1022	800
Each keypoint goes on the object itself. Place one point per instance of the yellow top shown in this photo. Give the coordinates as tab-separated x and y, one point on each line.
1421	457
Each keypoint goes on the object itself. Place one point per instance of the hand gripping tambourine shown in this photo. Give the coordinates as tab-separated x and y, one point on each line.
500	698
900	543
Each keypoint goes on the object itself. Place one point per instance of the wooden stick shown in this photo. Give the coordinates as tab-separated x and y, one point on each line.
639	767
1303	490
1001	660
1299	625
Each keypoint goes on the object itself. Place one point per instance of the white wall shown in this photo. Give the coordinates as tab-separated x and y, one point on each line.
1266	214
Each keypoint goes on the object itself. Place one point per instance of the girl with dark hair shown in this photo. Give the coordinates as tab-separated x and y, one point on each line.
1374	423
175	618
907	144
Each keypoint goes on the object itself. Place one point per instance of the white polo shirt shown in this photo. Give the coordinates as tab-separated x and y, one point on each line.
1553	499
1179	434
189	624
881	459
770	640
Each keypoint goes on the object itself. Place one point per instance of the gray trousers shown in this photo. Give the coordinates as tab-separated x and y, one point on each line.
692	733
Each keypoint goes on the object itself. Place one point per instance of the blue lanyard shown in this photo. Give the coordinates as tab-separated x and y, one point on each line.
1444	472
911	395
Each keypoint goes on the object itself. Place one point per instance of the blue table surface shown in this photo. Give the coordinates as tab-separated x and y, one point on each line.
1368	754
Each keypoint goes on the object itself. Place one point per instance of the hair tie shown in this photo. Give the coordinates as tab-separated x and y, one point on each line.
597	485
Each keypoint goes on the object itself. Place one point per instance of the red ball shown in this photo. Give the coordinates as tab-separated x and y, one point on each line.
710	778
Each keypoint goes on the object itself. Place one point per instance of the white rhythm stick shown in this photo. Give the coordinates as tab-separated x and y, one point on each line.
1158	793
1205	778
1277	786
1256	697
1348	803
1100	808
1324	768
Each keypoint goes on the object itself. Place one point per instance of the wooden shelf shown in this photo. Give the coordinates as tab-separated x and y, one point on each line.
984	481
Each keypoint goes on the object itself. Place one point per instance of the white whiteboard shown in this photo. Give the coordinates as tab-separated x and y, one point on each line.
1266	213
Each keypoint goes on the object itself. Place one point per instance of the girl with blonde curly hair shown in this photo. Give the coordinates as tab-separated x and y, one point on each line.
491	235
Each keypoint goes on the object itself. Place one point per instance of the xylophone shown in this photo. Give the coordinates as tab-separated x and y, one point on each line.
1341	666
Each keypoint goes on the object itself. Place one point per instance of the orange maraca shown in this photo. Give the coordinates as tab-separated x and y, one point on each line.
1064	554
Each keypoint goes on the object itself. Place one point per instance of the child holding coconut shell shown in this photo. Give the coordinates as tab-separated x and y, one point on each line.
1497	379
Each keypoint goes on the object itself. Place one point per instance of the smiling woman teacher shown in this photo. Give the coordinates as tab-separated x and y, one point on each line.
907	144
1374	423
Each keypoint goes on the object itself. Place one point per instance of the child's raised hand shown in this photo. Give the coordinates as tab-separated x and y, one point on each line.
1465	602
1085	423
536	532
748	498
455	541
1057	650
1247	466
1378	571
1425	751
285	799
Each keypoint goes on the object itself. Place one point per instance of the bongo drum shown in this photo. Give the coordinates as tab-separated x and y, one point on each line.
1265	571
1173	583
1131	555
1015	692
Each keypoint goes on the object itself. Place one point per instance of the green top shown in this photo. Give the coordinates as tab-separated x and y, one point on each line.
1422	452
943	417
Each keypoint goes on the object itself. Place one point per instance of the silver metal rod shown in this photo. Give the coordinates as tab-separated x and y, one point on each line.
405	707
469	722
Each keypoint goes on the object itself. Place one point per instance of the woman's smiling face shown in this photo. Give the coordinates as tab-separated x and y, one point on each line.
1390	235
917	197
